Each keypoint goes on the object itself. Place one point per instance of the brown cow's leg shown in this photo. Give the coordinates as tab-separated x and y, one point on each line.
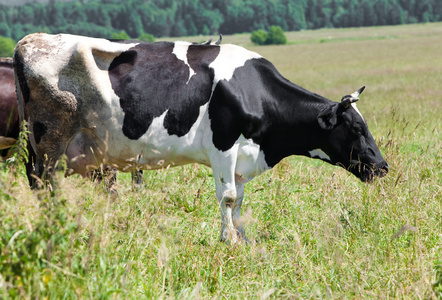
107	174
137	178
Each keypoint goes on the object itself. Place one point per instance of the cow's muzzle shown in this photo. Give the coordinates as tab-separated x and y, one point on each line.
367	172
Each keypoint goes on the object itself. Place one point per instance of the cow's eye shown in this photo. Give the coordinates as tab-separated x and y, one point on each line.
362	142
357	131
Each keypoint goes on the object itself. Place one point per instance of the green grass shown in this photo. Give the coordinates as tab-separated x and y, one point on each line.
316	230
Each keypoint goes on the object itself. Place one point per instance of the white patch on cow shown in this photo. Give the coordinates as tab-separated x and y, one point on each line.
357	110
318	153
156	148
64	47
180	50
229	59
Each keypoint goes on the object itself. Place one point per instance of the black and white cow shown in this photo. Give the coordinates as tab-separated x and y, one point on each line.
149	105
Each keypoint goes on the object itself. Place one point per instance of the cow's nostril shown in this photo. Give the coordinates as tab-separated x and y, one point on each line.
384	169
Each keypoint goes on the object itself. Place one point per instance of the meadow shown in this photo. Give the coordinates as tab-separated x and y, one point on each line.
316	231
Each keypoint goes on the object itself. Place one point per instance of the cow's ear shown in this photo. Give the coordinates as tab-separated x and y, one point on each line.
328	117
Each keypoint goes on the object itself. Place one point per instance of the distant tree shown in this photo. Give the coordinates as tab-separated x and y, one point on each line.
4	29
74	13
7	46
101	18
131	21
55	14
25	14
183	28
295	15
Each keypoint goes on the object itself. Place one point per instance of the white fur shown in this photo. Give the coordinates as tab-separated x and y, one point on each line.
228	60
156	148
357	110
318	153
180	50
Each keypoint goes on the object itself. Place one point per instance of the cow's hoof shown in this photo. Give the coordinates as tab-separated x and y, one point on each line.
240	239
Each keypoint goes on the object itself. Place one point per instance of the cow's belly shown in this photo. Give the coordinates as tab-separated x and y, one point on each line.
154	153
156	148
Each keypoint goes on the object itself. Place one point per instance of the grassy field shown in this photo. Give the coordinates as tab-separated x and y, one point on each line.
316	230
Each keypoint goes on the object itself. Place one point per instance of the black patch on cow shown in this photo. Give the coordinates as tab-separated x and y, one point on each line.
19	71
248	104
262	105
39	130
149	79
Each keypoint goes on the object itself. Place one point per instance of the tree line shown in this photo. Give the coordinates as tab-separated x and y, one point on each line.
160	18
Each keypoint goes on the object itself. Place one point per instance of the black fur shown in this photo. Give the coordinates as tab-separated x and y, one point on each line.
39	130
150	79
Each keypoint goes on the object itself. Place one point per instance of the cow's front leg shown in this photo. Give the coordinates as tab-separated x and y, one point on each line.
223	166
226	194
232	227
227	203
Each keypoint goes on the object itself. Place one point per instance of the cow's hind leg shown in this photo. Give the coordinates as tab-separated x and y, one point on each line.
137	178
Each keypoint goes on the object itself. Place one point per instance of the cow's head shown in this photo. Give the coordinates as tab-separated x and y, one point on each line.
348	143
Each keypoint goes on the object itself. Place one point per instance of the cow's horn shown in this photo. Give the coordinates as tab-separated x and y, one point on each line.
208	41
357	93
349	99
219	40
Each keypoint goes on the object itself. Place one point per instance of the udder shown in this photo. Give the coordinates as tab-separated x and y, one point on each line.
85	152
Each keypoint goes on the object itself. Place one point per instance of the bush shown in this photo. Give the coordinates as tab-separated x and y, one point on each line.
146	37
120	35
259	37
7	46
275	36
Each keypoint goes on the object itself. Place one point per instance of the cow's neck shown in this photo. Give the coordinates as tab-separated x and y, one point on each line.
294	128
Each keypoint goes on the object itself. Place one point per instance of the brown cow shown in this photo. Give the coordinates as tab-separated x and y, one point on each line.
9	124
9	116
